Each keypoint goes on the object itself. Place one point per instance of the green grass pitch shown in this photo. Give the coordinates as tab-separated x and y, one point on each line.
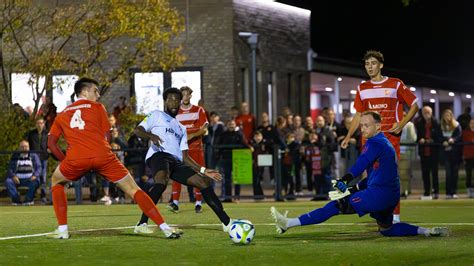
342	240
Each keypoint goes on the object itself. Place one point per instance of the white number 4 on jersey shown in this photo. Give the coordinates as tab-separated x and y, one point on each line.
76	120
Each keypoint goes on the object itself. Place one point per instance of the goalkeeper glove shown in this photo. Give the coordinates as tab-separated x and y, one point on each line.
347	178
343	187
337	195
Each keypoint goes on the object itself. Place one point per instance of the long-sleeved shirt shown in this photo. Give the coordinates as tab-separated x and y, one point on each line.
24	165
379	159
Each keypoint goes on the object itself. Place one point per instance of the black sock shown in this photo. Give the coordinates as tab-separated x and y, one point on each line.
213	201
155	194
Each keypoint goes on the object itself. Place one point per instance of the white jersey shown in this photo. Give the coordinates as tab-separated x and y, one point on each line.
171	132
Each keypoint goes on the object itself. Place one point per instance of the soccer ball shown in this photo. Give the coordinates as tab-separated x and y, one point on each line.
241	232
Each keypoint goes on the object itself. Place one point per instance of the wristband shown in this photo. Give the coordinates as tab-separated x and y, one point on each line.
202	170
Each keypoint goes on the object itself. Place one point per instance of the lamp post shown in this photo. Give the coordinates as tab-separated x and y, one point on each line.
252	40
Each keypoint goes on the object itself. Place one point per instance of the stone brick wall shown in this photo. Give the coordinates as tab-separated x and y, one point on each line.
208	44
211	42
284	39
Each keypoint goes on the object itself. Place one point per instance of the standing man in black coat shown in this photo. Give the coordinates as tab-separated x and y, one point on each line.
428	131
38	141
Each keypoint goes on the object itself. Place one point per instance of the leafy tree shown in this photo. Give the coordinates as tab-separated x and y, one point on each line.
102	39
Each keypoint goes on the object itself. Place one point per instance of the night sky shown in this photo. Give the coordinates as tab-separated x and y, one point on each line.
429	37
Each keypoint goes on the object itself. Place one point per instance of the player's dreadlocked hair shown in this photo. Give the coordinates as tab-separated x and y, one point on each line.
375	54
375	115
172	90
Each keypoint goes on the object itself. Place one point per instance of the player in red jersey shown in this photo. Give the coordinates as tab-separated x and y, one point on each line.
84	125
385	95
194	119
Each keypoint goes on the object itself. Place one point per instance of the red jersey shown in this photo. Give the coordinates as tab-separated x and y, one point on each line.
192	119
386	97
246	123
468	150
84	125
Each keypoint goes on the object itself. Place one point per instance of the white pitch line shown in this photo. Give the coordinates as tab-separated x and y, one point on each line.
196	225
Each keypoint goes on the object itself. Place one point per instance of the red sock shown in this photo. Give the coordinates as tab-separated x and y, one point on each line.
60	203
397	209
197	194
148	207
176	188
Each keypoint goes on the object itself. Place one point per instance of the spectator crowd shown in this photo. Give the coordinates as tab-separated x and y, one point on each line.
310	151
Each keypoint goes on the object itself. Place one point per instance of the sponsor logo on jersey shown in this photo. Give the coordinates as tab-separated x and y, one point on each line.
378	106
171	131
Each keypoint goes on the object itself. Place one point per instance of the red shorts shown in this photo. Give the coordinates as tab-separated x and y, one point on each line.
107	166
198	156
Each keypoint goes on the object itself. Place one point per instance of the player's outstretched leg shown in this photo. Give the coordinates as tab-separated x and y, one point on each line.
198	197
396	213
176	192
282	223
60	205
404	229
154	193
146	204
207	191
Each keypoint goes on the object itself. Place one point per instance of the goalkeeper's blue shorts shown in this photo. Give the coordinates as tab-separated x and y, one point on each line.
380	203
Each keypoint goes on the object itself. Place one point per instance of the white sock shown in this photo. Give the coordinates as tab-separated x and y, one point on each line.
396	218
176	202
62	228
292	222
164	226
198	202
423	231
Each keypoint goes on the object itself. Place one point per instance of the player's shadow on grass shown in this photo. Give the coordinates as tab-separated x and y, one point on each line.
110	232
102	215
327	236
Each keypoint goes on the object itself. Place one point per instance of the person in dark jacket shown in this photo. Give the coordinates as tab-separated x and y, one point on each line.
38	141
452	137
259	146
232	139
428	132
214	129
23	171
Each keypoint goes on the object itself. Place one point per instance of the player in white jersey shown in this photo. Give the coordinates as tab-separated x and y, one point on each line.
168	158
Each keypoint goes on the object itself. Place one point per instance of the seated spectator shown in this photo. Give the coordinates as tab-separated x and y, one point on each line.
23	171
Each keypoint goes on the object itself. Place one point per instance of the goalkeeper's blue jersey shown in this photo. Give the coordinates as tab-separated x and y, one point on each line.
379	159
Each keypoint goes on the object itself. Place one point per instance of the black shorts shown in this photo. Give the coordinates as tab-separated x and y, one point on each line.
178	171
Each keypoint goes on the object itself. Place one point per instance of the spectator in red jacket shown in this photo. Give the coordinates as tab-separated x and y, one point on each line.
246	121
468	155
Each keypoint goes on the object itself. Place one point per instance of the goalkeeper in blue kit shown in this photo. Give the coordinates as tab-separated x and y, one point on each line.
376	195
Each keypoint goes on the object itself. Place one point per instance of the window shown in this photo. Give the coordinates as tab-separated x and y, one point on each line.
24	90
63	88
148	87
148	91
191	79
